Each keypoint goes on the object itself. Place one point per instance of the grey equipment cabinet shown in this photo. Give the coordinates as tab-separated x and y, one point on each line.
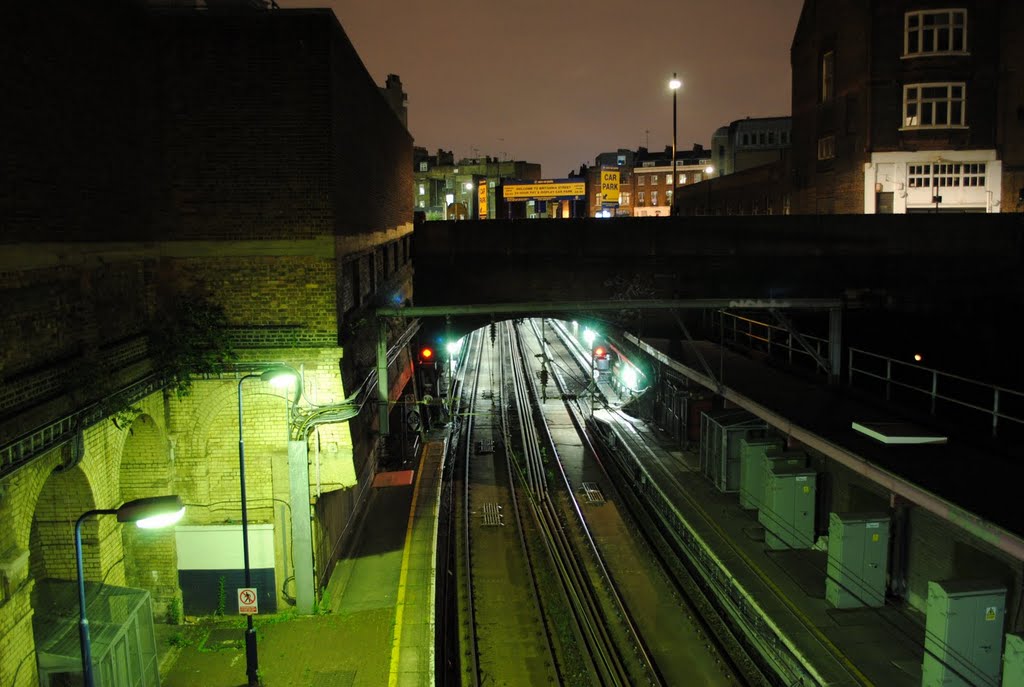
963	634
752	452
720	434
788	515
858	559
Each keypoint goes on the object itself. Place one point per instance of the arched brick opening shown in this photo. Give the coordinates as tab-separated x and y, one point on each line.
63	498
207	476
150	556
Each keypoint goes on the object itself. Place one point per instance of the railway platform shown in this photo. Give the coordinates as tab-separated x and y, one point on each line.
376	623
864	646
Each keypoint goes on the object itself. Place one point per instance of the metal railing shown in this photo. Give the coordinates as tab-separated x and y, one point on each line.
998	403
771	338
21	450
935	385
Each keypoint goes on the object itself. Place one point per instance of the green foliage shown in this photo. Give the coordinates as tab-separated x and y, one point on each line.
222	596
191	339
178	639
322	606
175	613
124	417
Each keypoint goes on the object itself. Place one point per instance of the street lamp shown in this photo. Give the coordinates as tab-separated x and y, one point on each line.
278	375
469	198
147	513
674	85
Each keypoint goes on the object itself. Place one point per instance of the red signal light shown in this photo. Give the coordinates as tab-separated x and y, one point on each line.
600	352
426	353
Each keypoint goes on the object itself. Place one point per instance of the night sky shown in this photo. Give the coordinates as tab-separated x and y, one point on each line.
559	81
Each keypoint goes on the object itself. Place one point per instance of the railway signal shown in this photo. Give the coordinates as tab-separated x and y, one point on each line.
427	356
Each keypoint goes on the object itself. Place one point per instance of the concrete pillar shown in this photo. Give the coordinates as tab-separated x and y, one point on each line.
835	344
302	531
382	377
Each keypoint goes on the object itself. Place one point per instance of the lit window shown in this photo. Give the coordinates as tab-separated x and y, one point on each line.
423	191
826	147
934	106
654	197
423	165
624	198
934	32
682	178
828	74
639	197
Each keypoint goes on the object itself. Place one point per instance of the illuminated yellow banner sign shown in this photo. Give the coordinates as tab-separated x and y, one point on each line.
544	189
481	199
609	186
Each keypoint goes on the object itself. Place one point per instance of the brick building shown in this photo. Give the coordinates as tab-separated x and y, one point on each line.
165	166
446	189
897	107
645	179
902	107
750	142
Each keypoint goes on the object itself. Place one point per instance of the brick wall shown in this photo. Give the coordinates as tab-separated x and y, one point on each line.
865	113
78	102
249	159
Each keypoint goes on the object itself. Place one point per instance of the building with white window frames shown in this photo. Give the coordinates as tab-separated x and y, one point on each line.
903	106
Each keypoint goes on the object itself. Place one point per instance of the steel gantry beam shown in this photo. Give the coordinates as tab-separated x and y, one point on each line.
605	305
833	305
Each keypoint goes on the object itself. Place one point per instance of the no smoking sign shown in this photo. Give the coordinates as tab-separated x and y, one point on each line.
247	603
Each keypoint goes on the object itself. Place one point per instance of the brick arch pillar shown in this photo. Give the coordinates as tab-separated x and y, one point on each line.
150	556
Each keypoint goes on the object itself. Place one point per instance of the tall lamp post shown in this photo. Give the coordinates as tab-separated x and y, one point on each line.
468	186
148	513
278	375
674	85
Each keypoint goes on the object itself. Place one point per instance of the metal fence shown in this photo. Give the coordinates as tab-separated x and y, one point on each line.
935	387
772	339
909	383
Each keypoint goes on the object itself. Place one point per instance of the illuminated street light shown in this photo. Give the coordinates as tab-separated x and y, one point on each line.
709	170
278	376
148	513
469	199
674	85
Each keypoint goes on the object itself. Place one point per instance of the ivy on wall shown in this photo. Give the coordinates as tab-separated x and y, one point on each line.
192	340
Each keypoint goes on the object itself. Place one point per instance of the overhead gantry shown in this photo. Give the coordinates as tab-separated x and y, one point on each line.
831	364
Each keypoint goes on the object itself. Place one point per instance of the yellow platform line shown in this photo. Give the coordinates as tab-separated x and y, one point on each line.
396	641
793	608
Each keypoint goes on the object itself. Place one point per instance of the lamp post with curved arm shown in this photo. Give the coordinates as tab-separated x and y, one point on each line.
147	513
278	375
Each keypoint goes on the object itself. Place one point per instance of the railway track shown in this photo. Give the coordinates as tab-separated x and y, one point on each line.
537	601
504	636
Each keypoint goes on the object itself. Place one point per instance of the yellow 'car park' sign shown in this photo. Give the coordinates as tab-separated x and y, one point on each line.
609	187
481	198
